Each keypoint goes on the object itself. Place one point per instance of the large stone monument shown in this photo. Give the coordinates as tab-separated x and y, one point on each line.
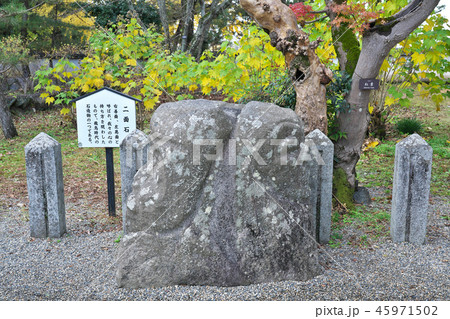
225	201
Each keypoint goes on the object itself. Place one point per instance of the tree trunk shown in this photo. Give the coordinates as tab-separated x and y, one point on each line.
55	30
9	130
376	44
165	22
305	69
197	44
188	20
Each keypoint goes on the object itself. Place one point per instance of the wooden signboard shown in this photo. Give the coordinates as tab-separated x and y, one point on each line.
104	118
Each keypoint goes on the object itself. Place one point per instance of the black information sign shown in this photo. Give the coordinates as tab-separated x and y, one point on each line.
369	84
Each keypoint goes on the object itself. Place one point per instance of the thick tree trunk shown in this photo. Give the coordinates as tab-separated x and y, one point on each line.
376	44
9	130
305	69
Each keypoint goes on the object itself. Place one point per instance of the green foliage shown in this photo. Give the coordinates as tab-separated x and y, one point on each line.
336	94
280	91
408	126
107	12
50	24
417	63
134	61
13	51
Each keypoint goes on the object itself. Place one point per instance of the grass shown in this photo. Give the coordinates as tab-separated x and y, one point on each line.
368	224
376	168
85	171
84	168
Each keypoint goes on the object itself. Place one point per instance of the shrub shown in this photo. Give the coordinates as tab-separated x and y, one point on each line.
409	126
279	91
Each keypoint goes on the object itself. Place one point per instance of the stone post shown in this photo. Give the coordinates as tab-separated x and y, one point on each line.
45	187
133	155
411	190
322	202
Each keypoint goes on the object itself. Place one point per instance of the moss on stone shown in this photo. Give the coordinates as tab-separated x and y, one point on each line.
342	189
350	45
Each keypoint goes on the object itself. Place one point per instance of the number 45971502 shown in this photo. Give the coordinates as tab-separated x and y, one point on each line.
407	310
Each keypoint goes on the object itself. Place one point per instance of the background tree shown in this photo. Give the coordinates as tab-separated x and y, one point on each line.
194	25
107	12
13	54
359	58
309	76
378	39
51	23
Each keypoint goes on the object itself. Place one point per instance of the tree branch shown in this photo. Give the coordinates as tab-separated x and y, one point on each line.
401	24
316	20
20	12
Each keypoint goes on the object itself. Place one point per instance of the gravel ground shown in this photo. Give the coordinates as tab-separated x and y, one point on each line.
80	266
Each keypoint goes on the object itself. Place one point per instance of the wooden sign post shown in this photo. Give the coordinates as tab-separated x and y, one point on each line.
104	118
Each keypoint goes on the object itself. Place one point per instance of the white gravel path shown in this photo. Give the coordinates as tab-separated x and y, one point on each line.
80	266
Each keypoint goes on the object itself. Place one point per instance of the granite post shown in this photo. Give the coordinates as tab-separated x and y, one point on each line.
45	187
133	155
322	203
410	193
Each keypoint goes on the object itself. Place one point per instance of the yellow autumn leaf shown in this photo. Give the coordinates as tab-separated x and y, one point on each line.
385	66
143	91
116	83
389	101
108	77
45	94
429	26
193	87
422	75
371	145
205	81
49	100
96	73
370	108
423	67
255	41
434	56
65	111
131	62
98	83
206	90
418	57
149	104
85	88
